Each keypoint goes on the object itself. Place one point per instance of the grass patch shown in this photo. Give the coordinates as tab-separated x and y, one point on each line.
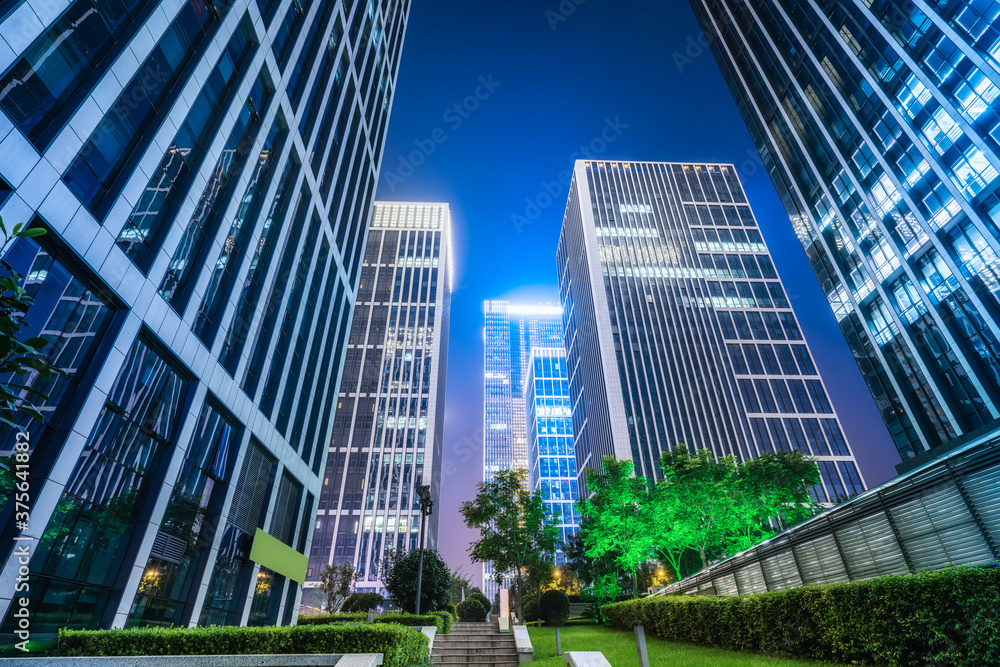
619	648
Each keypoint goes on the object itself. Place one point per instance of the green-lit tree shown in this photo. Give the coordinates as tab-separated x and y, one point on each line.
721	506
515	529
621	524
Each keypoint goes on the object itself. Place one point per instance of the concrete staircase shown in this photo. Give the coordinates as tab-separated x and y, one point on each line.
479	644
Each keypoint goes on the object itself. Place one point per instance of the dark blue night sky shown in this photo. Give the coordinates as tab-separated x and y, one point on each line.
534	83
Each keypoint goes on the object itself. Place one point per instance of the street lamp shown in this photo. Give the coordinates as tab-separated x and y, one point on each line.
426	505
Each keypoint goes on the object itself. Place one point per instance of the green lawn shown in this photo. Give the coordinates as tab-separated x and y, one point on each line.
619	648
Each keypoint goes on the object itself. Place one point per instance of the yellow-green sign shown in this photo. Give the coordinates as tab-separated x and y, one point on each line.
274	554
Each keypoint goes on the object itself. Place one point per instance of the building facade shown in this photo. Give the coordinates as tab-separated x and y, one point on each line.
389	422
510	333
678	330
551	460
879	123
204	171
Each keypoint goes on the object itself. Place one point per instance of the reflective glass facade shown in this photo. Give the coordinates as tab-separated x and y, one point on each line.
551	460
205	174
510	333
678	330
389	420
879	123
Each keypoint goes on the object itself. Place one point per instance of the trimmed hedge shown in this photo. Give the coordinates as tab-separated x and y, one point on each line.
400	646
326	619
410	620
361	602
946	617
446	618
414	620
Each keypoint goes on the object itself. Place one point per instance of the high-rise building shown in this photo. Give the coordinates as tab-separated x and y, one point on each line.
678	330
551	460
205	173
389	422
879	123
511	331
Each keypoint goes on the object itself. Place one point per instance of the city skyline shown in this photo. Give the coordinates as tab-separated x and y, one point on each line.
277	116
656	92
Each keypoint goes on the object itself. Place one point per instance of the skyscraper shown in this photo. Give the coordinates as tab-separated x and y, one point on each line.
389	419
205	173
879	123
510	333
551	460
678	330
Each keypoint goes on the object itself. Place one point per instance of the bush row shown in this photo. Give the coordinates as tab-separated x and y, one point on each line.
947	617
325	619
400	646
441	620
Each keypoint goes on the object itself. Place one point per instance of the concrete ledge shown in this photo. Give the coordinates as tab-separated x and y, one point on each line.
429	631
504	624
585	659
279	660
525	651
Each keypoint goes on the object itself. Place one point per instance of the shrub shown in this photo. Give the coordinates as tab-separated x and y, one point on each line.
357	602
446	619
483	600
450	608
326	619
530	609
413	620
553	608
947	617
471	610
400	646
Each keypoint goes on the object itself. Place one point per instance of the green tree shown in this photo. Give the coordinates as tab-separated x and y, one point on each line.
515	529
459	582
621	523
399	573
721	506
336	581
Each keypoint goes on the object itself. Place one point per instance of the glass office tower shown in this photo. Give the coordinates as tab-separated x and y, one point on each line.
551	461
389	421
879	123
678	330
510	333
205	172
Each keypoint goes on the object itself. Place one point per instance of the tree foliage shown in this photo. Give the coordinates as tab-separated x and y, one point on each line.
703	508
399	572
516	531
336	582
619	505
458	583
